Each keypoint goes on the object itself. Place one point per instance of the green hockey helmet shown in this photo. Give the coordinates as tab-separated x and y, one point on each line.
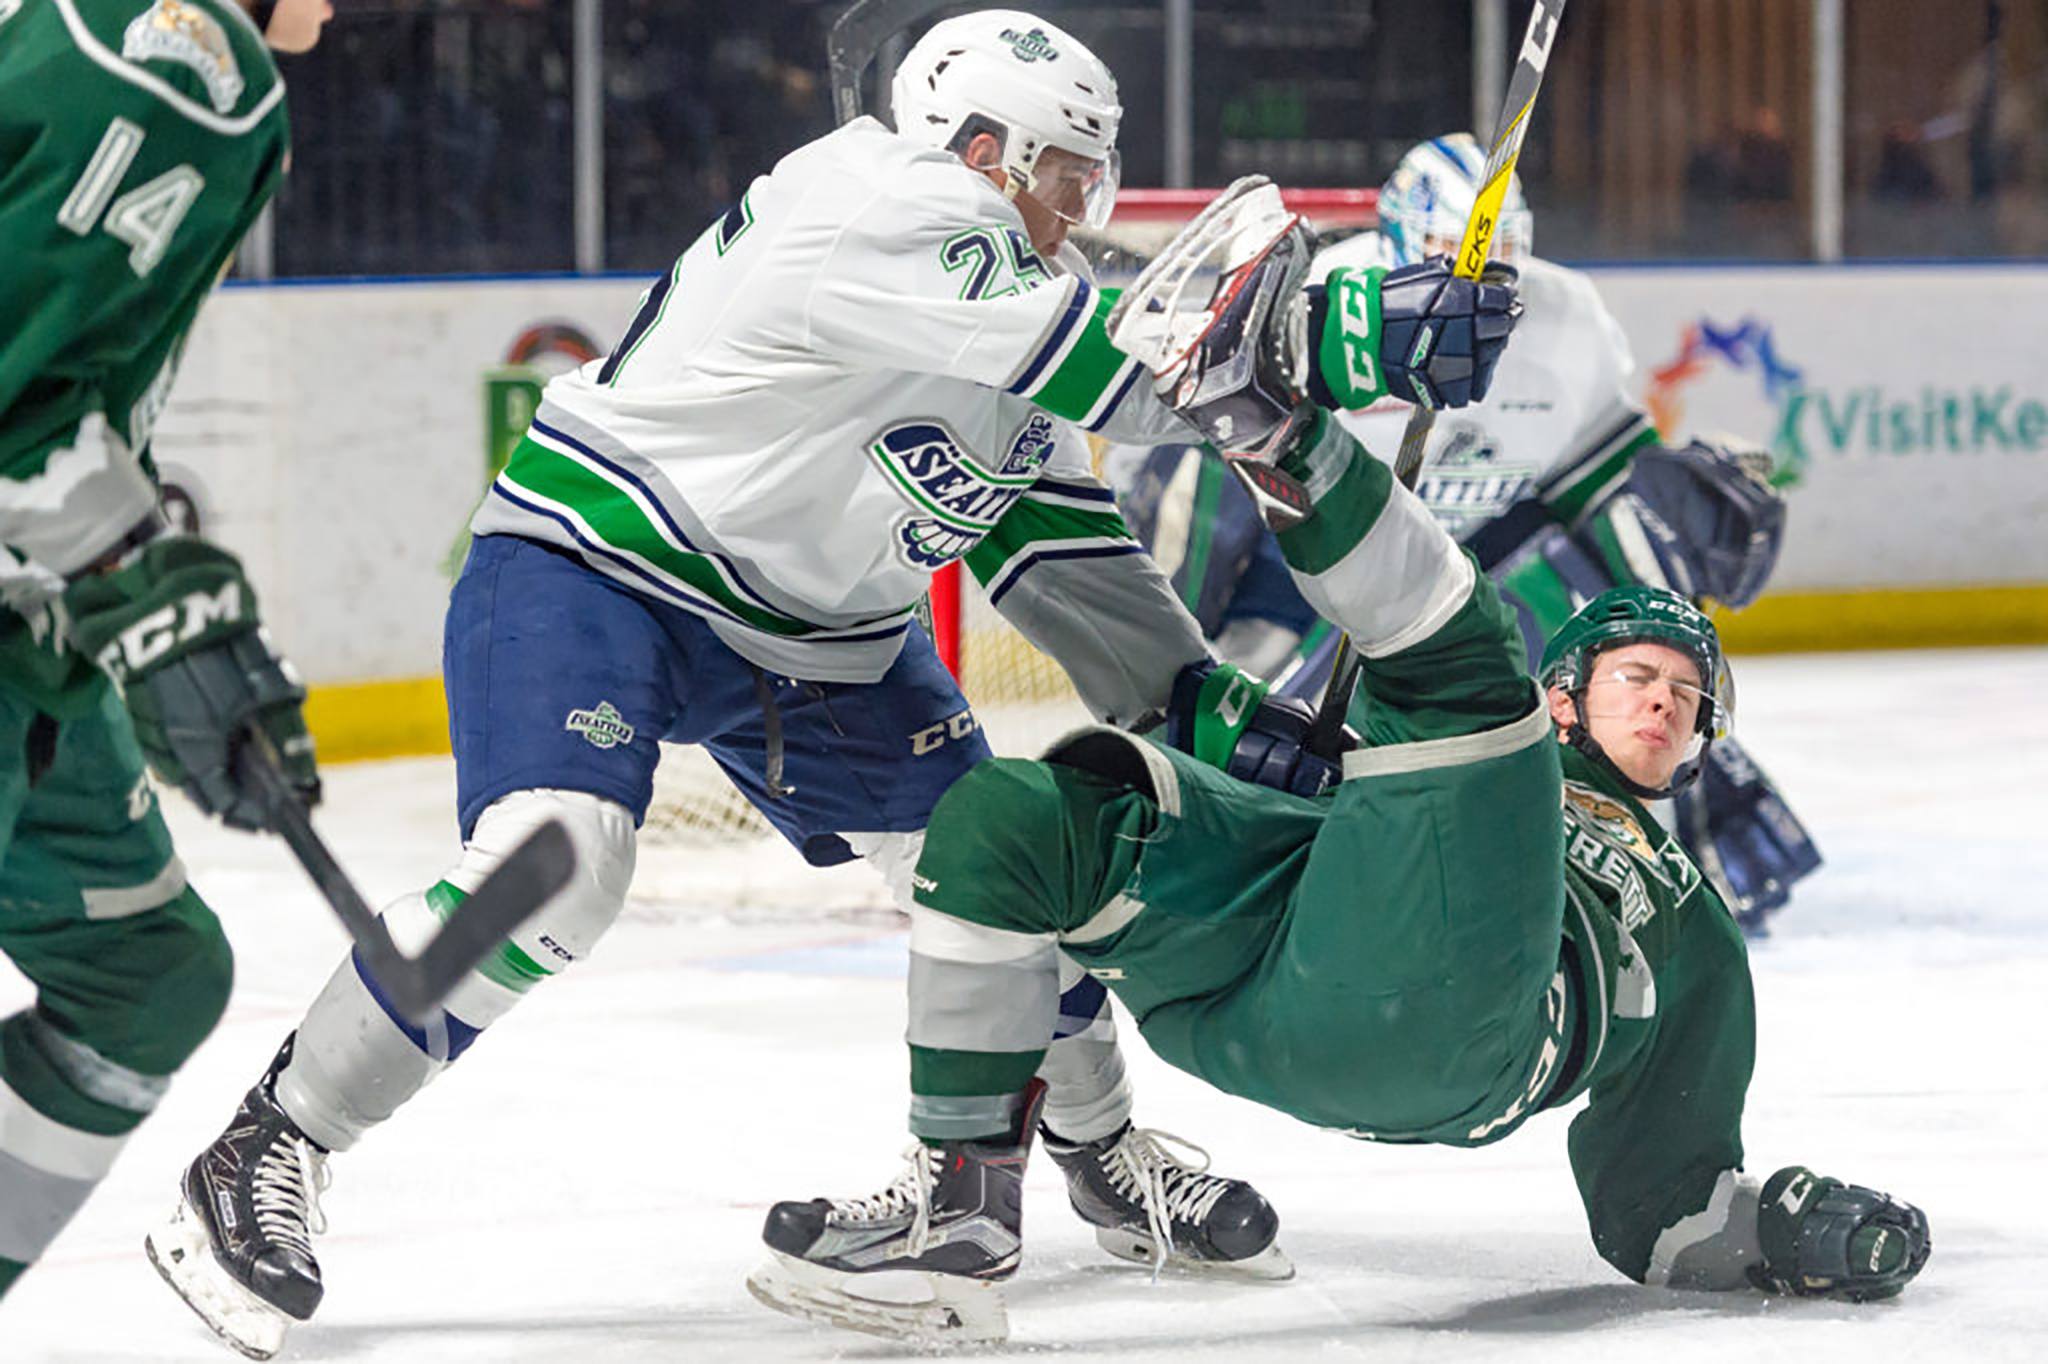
1631	615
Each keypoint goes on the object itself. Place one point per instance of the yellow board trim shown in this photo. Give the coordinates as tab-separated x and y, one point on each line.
1915	618
408	716
397	718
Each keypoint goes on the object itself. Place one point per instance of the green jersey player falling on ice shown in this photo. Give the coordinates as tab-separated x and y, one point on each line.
1479	922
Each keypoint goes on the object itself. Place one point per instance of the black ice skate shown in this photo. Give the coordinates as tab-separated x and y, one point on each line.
239	1248
918	1261
1149	1206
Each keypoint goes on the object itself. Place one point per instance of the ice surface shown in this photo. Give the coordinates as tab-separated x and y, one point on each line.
588	1183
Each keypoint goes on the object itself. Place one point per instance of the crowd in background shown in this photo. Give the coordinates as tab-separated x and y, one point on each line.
436	136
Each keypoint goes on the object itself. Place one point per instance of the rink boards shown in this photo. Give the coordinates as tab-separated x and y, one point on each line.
338	434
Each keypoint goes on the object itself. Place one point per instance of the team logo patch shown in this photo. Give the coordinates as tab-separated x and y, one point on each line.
954	498
1467	482
602	725
173	31
1033	46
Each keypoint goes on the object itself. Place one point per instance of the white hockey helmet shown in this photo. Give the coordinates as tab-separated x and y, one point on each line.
1031	84
1425	202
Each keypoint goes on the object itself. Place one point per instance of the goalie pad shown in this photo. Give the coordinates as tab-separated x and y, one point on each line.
1744	837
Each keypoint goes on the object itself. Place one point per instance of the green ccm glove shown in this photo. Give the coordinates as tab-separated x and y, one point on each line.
176	626
1826	1239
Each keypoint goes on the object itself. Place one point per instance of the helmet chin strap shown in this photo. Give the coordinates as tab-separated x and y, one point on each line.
1581	738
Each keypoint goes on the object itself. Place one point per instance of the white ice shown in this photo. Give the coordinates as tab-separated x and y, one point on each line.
589	1182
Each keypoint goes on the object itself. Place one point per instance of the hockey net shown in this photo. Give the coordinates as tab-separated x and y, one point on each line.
705	849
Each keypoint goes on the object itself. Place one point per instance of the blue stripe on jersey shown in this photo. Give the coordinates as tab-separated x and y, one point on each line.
1122	392
1047	555
1078	307
1087	491
732	574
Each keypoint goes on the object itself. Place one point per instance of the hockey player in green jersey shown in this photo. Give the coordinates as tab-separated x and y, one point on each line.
1481	921
138	141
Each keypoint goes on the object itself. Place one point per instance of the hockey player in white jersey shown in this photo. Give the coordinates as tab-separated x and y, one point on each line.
1558	482
872	365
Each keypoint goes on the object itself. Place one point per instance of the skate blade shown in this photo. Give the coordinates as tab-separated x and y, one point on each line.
1270	1265
913	1305
182	1253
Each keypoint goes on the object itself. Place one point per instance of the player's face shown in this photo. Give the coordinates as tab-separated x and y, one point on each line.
295	24
1642	707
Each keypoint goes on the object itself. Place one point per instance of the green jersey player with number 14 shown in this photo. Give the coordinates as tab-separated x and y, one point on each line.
138	141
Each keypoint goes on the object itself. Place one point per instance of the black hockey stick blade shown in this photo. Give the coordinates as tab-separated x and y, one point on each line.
857	35
523	882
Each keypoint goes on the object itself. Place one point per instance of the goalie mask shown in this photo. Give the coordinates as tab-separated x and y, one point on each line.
1033	86
1633	615
1425	203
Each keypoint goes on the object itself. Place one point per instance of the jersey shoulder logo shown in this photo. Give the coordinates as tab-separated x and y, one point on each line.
173	31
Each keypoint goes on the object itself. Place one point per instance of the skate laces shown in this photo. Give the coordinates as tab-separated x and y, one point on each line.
1169	1187
285	1191
910	1192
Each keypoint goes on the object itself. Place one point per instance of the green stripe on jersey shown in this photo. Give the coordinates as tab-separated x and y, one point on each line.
1570	494
1031	523
1077	385
618	521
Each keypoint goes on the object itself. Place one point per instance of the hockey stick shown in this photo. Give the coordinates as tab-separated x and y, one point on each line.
1471	262
857	35
535	870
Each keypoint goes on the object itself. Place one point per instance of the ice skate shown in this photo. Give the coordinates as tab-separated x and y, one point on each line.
1151	1207
239	1247
918	1261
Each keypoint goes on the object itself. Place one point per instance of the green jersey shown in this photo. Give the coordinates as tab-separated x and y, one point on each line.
138	141
1667	1029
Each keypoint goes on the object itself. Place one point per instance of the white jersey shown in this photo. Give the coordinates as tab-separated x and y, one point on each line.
1558	411
842	385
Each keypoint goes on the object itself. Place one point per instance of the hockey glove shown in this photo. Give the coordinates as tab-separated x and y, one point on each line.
1825	1239
1223	716
1742	835
1714	524
1419	333
176	626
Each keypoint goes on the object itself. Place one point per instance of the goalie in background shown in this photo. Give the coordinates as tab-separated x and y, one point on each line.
1556	481
1480	922
125	185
